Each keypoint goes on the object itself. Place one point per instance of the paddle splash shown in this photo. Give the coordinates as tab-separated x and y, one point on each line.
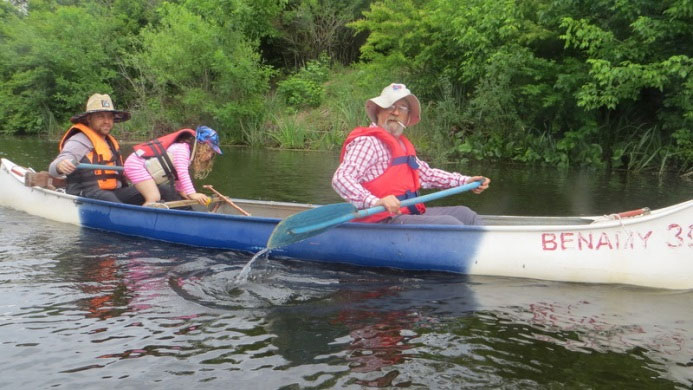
243	275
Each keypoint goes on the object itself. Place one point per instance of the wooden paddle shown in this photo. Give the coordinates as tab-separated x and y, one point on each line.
227	200
315	221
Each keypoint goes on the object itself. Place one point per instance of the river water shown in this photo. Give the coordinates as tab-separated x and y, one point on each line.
83	308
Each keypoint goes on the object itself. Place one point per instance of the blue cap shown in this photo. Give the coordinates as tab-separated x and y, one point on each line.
208	136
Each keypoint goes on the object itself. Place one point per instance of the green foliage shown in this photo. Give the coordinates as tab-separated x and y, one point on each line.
260	22
50	65
290	133
589	82
193	62
683	148
554	81
192	71
304	89
299	92
323	127
575	148
255	19
308	28
641	74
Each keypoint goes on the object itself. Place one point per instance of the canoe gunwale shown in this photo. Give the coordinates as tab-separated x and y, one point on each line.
641	250
535	222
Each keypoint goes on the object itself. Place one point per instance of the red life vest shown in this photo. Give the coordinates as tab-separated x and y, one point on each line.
401	178
157	148
106	151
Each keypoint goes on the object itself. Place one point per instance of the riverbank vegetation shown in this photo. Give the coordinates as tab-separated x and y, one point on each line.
602	83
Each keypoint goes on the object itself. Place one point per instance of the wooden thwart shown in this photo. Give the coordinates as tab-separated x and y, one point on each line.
189	202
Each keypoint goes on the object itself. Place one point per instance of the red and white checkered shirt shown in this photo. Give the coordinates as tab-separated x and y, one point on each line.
366	158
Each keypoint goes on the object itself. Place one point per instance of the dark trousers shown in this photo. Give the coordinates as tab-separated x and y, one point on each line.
128	195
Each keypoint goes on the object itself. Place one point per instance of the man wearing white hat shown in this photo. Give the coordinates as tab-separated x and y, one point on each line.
378	166
89	140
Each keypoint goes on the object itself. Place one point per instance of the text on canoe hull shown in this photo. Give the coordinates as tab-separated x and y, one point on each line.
676	236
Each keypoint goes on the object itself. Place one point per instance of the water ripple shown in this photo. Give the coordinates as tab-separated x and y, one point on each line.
86	309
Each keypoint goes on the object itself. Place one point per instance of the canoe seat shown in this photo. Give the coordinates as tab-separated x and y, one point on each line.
44	180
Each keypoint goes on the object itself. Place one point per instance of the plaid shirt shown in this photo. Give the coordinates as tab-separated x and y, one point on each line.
367	158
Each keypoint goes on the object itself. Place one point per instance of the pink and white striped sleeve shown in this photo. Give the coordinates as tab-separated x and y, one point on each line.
180	152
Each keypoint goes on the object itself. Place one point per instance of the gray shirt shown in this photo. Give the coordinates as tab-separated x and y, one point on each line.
74	149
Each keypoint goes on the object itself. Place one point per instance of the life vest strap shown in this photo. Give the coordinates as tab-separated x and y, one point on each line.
164	160
408	195
409	160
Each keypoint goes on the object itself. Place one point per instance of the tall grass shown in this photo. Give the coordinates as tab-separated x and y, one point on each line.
289	133
323	127
643	150
53	129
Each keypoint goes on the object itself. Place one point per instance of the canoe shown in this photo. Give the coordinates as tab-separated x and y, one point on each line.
652	248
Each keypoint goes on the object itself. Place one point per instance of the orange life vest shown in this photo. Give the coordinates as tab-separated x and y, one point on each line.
106	151
401	178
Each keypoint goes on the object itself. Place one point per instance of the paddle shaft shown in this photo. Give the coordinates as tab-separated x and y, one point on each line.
98	166
227	200
378	209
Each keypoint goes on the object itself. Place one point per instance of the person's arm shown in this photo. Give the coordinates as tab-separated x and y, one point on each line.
181	161
360	155
180	154
438	178
75	148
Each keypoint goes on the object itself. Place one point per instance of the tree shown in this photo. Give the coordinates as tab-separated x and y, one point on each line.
308	28
562	82
50	64
192	70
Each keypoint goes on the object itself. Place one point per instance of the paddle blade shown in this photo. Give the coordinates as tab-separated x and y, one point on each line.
310	222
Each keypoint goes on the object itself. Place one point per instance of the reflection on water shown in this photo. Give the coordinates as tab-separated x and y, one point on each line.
90	309
87	309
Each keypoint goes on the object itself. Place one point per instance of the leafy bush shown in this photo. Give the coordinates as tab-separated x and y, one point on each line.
304	89
50	65
545	68
298	92
192	71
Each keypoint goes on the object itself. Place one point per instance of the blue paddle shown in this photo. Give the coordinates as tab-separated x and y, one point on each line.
98	166
315	221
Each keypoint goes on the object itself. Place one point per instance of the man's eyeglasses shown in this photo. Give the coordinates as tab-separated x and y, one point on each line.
403	109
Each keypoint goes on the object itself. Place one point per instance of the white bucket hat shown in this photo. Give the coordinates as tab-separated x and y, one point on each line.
389	96
100	103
